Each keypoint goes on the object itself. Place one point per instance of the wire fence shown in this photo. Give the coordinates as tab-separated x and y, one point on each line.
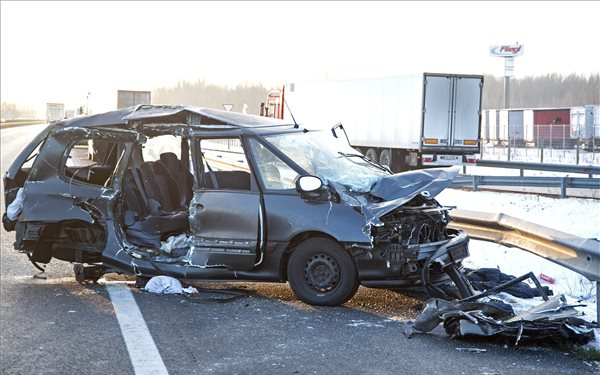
552	143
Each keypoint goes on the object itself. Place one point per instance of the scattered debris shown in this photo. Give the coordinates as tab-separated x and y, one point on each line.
362	323
548	279
487	278
190	290
552	321
472	350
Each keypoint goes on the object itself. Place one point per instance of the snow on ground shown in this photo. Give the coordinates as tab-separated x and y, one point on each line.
576	216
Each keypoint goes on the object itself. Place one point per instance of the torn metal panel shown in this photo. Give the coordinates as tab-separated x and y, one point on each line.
170	114
552	309
398	189
552	321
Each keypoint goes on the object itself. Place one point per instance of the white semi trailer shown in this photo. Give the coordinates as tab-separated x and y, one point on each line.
129	98
404	122
55	111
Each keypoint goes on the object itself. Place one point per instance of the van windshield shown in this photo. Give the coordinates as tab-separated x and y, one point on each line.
321	154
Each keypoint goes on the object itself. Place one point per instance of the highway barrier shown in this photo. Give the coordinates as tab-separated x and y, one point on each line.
581	255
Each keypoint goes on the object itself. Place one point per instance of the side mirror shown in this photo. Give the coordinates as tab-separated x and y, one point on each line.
309	184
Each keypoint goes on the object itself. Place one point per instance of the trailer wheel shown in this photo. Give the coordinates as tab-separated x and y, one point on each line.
371	154
385	158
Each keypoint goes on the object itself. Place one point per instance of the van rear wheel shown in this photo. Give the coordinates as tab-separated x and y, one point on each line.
321	272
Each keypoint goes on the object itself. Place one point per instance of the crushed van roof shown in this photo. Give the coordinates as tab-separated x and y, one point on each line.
175	114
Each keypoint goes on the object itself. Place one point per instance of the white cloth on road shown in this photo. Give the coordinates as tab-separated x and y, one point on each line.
163	285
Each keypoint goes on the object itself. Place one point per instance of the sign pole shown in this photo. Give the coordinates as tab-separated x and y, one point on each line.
509	52
506	92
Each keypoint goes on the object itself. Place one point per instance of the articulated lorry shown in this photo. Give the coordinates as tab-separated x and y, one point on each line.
404	122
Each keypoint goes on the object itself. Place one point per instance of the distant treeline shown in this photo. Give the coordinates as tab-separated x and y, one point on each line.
202	94
550	90
12	111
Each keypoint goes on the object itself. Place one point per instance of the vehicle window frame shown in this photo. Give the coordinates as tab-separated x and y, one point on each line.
19	161
71	180
199	164
275	149
299	171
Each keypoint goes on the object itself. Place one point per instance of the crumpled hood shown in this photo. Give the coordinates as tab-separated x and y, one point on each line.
400	188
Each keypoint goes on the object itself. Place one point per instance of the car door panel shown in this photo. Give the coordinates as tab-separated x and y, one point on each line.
225	225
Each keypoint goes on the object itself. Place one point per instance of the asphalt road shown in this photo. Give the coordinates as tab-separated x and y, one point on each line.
58	326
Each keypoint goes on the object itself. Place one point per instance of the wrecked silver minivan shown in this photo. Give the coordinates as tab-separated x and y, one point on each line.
201	194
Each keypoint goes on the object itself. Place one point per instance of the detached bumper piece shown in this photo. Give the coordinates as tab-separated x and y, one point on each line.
553	321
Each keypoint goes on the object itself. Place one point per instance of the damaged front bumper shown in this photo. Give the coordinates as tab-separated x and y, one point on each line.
422	266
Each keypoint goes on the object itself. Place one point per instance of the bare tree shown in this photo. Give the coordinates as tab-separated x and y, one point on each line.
201	94
550	90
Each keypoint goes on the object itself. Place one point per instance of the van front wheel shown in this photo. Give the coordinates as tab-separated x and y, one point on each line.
321	272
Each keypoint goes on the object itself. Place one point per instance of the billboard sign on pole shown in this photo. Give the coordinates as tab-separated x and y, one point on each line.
509	67
511	50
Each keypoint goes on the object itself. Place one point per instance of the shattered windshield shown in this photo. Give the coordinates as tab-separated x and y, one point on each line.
321	154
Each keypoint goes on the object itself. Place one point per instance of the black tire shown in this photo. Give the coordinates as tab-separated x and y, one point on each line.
385	158
321	272
371	154
460	281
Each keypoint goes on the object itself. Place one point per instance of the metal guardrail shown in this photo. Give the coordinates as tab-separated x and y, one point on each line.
560	182
590	170
12	124
578	254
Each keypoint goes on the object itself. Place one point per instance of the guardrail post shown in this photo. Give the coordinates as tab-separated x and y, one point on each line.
521	172
475	182
563	187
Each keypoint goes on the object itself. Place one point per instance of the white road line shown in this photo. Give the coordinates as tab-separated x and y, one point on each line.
145	358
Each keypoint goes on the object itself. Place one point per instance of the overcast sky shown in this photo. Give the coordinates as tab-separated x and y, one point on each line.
60	51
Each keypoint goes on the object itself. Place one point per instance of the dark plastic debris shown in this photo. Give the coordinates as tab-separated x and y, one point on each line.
553	321
488	278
